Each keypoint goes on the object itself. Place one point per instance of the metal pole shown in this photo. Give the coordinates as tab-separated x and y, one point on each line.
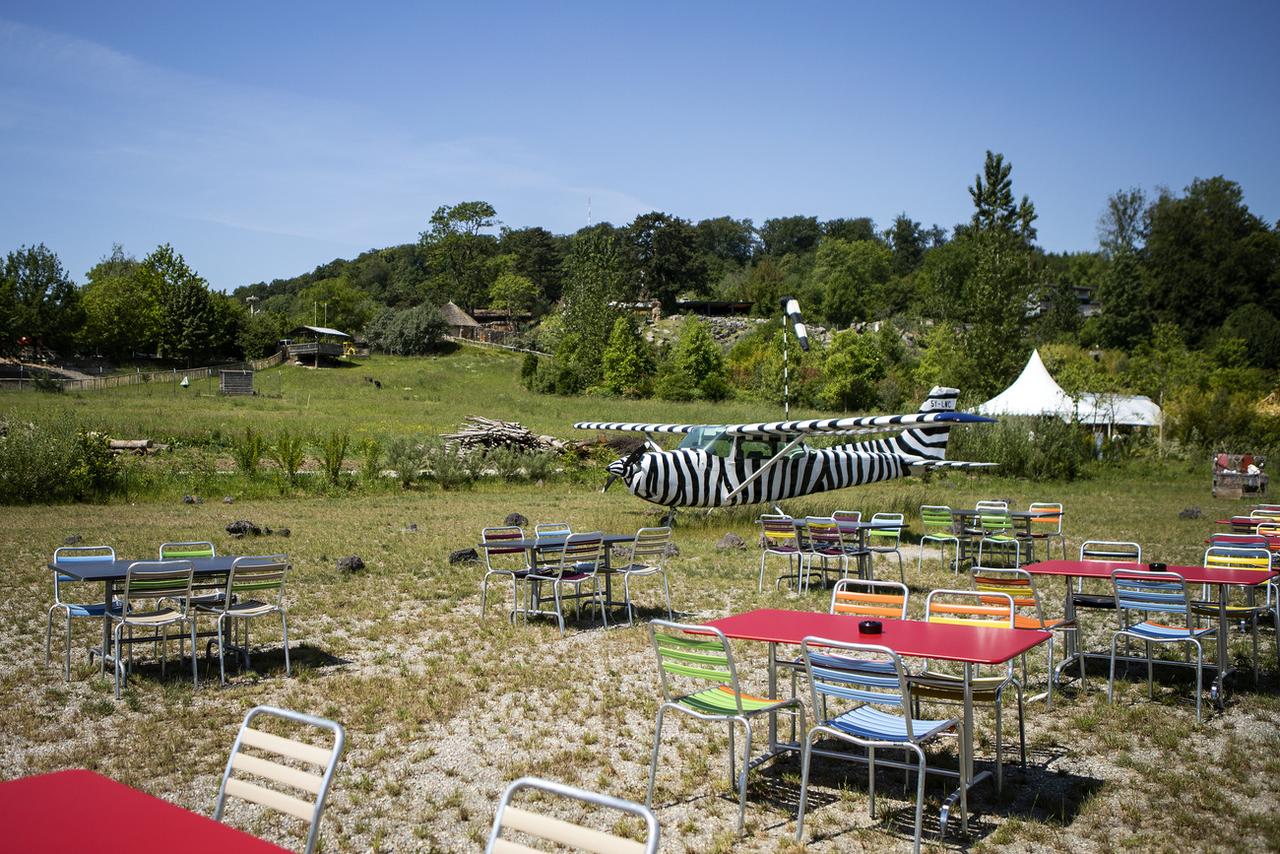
786	374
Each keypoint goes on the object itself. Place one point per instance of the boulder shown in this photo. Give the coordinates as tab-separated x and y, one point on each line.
731	541
282	532
240	527
517	519
351	563
1190	513
192	499
463	556
227	499
72	540
671	550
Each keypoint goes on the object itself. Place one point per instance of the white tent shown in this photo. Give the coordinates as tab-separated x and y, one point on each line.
1035	392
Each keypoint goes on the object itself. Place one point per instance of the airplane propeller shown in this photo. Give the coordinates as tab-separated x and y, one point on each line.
628	463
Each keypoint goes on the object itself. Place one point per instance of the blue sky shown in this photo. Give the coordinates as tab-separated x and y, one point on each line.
263	139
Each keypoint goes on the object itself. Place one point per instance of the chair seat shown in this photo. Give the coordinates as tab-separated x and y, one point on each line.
158	617
248	608
871	723
205	600
575	576
1155	631
947	686
1094	600
638	569
1025	621
720	701
77	610
1210	609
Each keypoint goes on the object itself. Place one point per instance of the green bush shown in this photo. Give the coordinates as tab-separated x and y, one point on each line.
1042	448
448	465
404	454
54	463
506	463
289	453
333	451
539	466
248	452
370	451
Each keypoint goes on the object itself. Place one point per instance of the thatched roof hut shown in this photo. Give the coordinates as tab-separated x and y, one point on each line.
459	322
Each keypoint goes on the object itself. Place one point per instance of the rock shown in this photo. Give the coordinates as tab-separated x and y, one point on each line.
671	550
731	541
516	519
351	563
411	528
192	499
227	499
1190	513
72	540
283	532
463	556
240	527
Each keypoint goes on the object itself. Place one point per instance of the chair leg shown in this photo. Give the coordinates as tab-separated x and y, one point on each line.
902	573
920	774
284	629
1199	677
760	583
626	595
119	665
222	649
195	676
871	779
484	593
1111	680
666	591
1151	690
653	761
742	776
66	657
806	757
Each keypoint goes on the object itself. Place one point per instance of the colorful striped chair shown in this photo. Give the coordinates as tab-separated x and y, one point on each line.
1020	586
821	541
1106	551
887	599
701	654
778	538
872	677
1160	594
1045	525
1258	558
970	608
67	556
939	527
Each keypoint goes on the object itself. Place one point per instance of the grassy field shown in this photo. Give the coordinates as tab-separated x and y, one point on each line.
443	708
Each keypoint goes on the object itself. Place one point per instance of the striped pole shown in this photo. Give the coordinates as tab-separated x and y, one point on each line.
790	315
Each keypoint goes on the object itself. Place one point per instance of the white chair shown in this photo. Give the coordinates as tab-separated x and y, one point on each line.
312	783
69	556
559	832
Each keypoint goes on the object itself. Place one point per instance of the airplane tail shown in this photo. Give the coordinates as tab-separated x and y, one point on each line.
930	443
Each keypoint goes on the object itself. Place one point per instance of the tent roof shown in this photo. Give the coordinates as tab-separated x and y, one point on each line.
455	316
321	330
1035	392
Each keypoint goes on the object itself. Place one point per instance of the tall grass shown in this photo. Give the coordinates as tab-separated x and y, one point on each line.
289	452
333	451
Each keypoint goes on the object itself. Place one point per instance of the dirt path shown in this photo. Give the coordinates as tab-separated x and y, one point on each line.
69	373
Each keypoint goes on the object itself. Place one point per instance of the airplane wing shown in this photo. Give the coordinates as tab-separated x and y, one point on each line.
859	425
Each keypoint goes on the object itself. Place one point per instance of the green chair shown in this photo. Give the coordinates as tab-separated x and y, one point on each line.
998	541
700	655
255	588
155	597
939	527
888	540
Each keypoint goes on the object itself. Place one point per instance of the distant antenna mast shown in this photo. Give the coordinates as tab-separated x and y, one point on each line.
588	211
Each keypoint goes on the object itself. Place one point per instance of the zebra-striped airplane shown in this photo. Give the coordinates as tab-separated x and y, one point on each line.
728	464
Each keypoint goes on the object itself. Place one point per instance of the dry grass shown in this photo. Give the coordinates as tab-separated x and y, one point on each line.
442	708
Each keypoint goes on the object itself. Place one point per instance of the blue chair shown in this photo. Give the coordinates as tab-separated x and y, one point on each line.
876	680
70	555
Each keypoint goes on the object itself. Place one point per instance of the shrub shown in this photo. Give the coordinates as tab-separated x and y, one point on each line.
449	466
248	452
370	451
539	466
505	462
404	454
56	463
411	332
333	450
1042	448
289	452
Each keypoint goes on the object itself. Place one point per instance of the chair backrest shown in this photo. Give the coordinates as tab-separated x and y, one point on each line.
311	781
777	532
498	551
1163	593
822	535
74	555
1233	557
582	553
1018	584
890	534
559	832
1273	509
1046	517
177	551
1246	541
995	520
650	546
847	517
936	519
991	504
867	673
1257	515
543	529
702	657
157	579
1271	530
259	577
1110	550
969	608
870	598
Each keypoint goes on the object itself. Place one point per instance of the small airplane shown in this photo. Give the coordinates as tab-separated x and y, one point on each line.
718	465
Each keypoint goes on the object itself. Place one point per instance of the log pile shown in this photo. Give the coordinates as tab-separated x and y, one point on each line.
483	434
141	447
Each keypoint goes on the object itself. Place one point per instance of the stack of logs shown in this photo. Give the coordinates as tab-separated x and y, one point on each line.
141	447
480	433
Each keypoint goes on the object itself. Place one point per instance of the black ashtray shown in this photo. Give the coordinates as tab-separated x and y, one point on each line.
1157	567
870	627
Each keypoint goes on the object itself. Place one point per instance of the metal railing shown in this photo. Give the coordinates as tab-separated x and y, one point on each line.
138	377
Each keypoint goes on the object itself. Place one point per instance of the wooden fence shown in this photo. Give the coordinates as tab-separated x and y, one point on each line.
139	377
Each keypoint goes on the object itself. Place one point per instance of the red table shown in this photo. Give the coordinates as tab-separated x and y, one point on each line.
1069	569
969	645
75	811
1248	524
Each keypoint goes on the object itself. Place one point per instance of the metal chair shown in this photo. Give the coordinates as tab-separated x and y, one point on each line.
1045	524
212	588
556	831
1257	558
986	610
821	541
707	657
876	680
939	528
580	558
778	538
1105	551
848	521
70	555
998	535
501	558
861	598
648	557
888	540
551	529
261	580
1020	586
1155	593
311	782
156	583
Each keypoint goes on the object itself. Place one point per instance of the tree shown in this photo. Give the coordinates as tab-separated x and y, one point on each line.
1123	224
853	367
409	332
726	239
260	334
538	255
122	311
456	247
189	322
1123	294
627	361
664	258
595	272
695	368
907	240
851	276
852	230
514	293
943	359
334	303
38	300
790	235
994	208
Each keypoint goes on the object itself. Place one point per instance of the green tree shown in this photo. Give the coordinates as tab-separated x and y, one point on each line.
851	276
628	361
728	240
538	255
409	332
944	360
994	208
261	333
123	310
38	300
854	366
189	321
514	294
335	303
1161	363
457	247
695	369
664	258
907	239
852	230
595	273
790	235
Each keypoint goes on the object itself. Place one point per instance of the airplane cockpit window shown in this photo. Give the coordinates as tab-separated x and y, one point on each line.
756	449
709	439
